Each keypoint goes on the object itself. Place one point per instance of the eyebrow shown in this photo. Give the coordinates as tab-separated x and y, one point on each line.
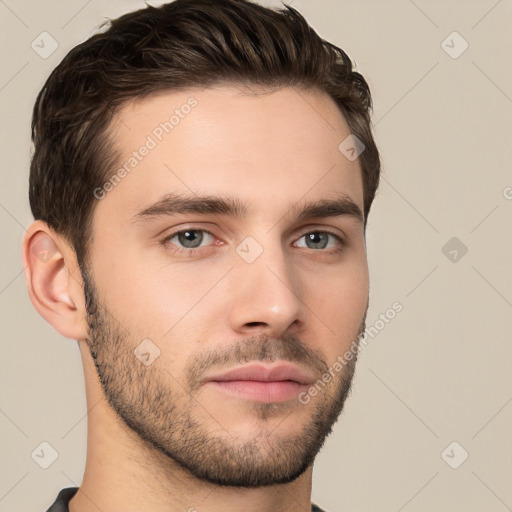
175	204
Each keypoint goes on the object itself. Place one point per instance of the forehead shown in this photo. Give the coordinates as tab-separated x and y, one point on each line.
270	149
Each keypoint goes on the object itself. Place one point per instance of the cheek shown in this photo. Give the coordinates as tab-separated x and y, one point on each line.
155	299
340	303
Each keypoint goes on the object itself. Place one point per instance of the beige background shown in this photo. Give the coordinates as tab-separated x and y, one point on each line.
440	371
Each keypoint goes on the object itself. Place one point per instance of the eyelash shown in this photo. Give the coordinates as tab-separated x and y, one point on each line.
198	250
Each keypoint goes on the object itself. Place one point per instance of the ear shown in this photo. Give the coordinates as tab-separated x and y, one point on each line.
54	280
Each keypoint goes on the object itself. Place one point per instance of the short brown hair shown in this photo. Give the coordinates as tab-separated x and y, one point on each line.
185	43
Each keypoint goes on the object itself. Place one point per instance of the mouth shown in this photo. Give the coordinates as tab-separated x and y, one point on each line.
263	384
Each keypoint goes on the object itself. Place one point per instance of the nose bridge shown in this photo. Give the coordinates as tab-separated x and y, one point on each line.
268	294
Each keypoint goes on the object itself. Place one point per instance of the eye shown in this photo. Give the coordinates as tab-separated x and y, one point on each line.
320	240
190	238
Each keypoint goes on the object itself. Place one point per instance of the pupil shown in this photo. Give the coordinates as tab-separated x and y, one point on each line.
318	238
191	238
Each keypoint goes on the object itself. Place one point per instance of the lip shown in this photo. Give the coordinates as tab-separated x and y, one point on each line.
262	373
263	384
261	392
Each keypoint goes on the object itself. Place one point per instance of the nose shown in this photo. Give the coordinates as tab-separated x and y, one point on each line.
267	296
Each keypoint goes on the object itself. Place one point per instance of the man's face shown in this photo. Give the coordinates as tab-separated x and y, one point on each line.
264	285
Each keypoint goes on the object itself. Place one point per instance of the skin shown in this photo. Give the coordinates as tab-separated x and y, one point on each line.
158	437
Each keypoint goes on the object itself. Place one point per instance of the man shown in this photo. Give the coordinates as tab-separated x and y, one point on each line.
201	182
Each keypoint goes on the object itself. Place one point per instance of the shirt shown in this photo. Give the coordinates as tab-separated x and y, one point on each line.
61	503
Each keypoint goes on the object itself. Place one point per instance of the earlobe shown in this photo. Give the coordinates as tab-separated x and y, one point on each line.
52	288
